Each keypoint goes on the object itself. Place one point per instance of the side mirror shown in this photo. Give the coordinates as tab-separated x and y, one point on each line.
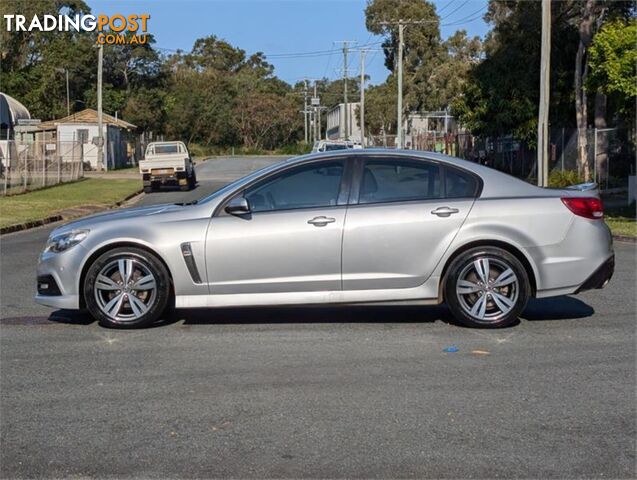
238	206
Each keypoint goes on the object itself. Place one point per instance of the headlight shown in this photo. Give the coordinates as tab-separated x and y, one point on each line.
64	241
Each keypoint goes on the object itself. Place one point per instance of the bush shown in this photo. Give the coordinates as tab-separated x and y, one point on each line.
299	148
566	178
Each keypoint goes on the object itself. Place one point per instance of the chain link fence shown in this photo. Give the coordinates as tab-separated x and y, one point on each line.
30	166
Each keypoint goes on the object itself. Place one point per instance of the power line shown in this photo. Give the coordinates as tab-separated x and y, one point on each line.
313	53
446	6
466	18
455	10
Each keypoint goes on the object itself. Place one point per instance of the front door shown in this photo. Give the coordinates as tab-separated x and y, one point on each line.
291	239
407	214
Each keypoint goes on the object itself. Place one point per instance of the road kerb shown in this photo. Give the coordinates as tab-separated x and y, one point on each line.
70	214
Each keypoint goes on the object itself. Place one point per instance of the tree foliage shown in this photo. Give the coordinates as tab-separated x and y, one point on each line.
613	64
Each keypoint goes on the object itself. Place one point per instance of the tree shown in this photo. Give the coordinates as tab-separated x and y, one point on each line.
501	93
380	108
613	64
423	51
32	63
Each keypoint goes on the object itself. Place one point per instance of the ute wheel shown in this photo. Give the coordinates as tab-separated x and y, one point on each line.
127	288
486	287
148	189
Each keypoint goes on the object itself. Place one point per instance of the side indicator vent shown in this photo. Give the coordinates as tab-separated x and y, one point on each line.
186	252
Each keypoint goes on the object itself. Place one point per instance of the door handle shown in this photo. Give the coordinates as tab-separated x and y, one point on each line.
321	221
444	211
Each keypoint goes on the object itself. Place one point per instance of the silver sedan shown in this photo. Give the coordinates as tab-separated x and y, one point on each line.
369	227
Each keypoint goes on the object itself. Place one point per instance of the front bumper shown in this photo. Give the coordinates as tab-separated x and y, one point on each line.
600	277
66	302
58	278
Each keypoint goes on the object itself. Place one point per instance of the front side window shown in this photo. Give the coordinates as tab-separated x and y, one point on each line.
396	181
309	186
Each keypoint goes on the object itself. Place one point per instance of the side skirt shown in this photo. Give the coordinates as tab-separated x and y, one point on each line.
426	294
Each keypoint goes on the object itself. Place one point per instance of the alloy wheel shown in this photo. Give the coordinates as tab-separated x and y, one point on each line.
125	289
487	289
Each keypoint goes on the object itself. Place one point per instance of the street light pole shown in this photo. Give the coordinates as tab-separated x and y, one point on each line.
100	116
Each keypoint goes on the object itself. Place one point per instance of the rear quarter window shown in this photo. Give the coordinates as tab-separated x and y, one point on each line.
459	184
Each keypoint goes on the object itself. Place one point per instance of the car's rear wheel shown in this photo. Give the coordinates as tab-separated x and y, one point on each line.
486	287
127	287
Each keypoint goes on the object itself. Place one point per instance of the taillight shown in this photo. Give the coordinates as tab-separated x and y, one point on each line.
587	207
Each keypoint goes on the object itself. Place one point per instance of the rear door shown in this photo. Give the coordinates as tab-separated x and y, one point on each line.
404	214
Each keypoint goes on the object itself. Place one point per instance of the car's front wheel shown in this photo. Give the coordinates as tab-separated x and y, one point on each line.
486	287
127	287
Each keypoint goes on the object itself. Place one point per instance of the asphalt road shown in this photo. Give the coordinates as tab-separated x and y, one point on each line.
323	392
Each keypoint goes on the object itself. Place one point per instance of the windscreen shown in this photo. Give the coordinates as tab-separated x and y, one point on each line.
168	148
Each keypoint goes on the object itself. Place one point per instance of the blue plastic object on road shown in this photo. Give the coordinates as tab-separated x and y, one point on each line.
451	349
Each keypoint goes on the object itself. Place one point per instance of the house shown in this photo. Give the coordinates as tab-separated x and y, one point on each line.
121	142
336	123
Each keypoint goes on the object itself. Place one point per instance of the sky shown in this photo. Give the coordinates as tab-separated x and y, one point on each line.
283	27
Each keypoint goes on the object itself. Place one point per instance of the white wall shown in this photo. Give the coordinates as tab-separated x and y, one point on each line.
336	122
68	132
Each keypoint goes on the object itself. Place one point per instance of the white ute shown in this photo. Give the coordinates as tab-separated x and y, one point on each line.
167	163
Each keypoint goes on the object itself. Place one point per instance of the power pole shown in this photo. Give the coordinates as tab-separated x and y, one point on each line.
399	118
68	102
543	116
345	50
315	107
305	107
401	31
100	116
362	106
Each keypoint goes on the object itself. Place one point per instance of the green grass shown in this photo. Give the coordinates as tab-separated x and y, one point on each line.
621	220
44	203
622	226
123	170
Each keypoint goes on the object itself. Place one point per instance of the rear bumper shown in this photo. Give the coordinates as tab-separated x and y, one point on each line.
177	177
600	277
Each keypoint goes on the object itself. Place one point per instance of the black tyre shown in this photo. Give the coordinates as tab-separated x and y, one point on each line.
486	287
148	189
127	287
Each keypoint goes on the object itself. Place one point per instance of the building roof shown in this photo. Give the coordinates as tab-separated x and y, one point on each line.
11	110
88	115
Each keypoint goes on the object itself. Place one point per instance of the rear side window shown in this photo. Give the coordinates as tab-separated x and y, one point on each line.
459	184
396	181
